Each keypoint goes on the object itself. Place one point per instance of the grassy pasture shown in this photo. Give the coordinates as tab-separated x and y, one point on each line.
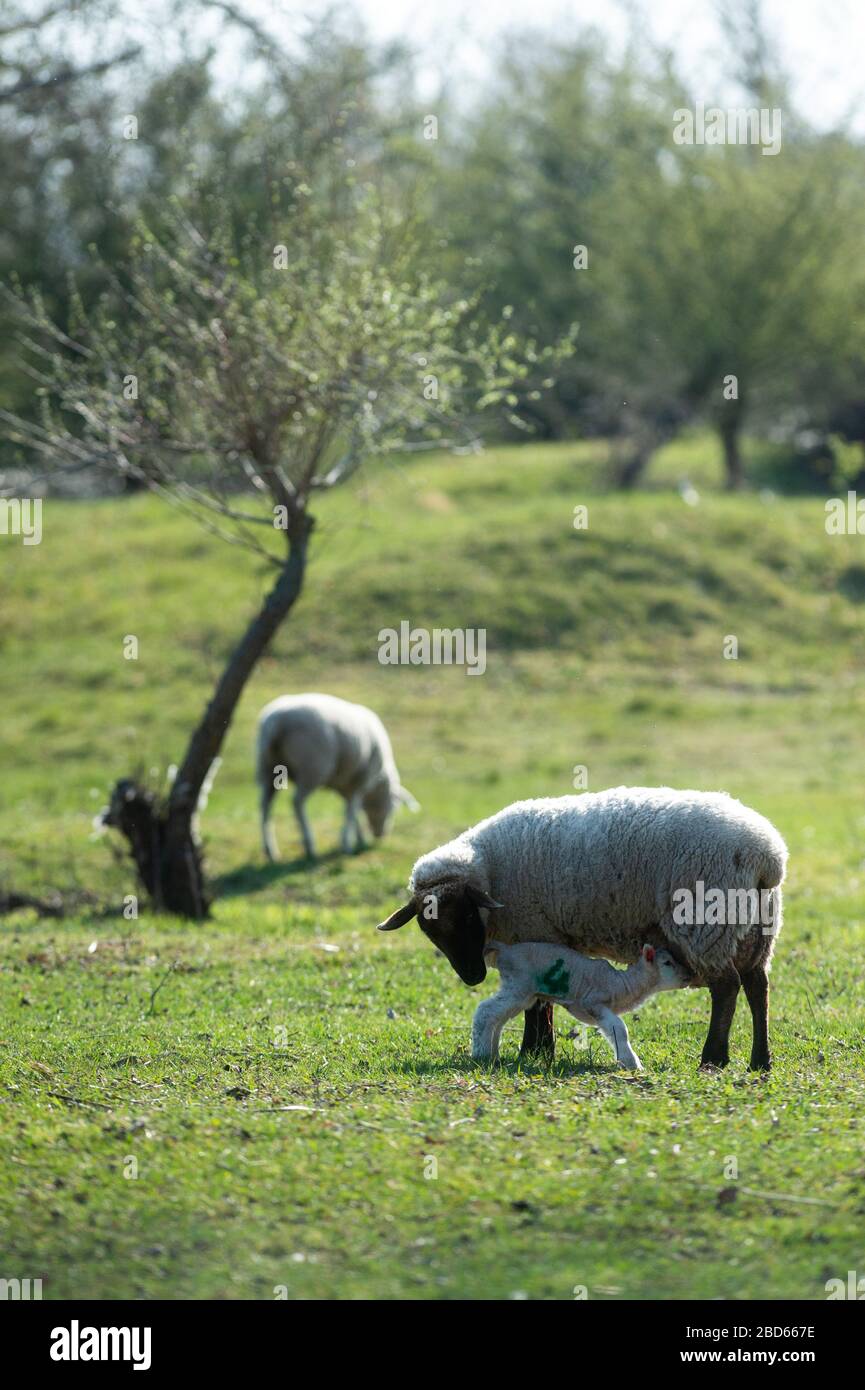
292	1091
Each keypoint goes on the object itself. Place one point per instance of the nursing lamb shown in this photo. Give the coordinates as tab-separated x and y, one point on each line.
592	990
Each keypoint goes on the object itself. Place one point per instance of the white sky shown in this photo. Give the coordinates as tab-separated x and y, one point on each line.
823	41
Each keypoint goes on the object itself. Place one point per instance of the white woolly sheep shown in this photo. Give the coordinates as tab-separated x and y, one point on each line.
604	872
321	741
592	990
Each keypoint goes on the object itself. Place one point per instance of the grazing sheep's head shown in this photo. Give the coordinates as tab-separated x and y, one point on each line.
380	803
448	913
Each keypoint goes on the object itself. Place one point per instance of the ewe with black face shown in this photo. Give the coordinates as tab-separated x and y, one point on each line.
604	873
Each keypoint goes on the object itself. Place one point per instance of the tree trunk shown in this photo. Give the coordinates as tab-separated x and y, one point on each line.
631	469
641	446
729	431
161	837
641	449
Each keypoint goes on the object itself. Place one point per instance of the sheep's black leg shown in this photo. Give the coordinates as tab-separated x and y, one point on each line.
755	983
724	990
539	1036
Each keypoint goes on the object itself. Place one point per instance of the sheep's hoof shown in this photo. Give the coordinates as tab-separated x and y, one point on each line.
761	1063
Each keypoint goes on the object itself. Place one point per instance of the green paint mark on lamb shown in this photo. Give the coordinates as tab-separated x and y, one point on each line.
555	980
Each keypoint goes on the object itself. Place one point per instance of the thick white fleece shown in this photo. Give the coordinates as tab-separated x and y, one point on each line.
596	872
325	742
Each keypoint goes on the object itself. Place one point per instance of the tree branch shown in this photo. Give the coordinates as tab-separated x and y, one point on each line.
65	75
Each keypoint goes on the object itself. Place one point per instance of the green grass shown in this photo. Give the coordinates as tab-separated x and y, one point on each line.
284	1076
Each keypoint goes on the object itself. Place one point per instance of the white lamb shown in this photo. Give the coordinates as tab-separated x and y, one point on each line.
592	990
321	741
604	872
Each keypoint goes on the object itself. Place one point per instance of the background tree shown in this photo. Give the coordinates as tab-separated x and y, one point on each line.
55	154
538	163
736	264
735	274
76	178
31	66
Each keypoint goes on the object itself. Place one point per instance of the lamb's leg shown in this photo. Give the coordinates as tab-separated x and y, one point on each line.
616	1035
539	1037
491	1015
268	839
303	822
724	989
755	983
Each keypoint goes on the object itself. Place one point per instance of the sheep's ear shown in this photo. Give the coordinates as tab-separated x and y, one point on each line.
405	796
480	898
648	953
398	918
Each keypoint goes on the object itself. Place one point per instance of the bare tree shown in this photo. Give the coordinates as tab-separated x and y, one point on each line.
236	379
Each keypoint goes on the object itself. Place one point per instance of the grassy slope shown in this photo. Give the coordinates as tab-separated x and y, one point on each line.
604	650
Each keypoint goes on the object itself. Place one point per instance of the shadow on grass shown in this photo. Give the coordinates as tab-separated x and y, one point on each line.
252	878
460	1064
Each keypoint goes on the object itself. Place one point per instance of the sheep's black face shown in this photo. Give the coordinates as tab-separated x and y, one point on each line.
457	931
448	914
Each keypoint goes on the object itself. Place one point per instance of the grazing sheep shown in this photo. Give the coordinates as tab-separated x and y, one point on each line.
604	872
321	741
592	990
